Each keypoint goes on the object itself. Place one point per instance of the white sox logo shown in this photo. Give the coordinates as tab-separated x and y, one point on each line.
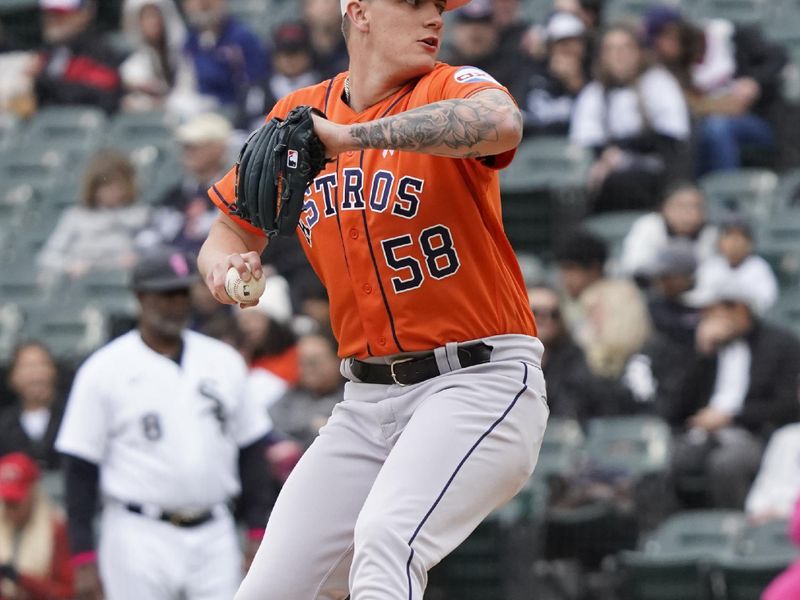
291	159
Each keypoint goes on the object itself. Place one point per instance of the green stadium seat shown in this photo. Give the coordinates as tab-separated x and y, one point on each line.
52	482
622	10
31	164
778	241
19	284
613	227
27	241
10	326
788	192
639	445
675	562
67	127
140	128
546	162
750	191
109	291
787	310
763	552
10	128
743	12
71	332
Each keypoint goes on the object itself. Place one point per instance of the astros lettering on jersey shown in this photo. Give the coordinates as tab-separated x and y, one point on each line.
410	246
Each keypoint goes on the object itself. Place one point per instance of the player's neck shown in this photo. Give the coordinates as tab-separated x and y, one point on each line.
368	87
168	346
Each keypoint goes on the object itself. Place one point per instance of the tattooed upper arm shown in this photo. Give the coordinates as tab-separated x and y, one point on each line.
487	123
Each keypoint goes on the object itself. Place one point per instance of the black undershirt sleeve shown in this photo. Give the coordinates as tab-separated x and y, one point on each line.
258	490
82	482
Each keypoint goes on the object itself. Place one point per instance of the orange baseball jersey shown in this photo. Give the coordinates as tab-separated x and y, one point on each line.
410	246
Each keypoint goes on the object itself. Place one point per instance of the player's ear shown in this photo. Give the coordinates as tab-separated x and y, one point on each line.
358	13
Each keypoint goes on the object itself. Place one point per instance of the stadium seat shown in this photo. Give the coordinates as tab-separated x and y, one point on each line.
107	290
763	552
778	241
750	191
743	12
26	242
546	162
676	561
19	284
71	332
788	192
787	310
618	10
52	483
140	128
67	127
9	131
612	227
25	165
10	326
638	445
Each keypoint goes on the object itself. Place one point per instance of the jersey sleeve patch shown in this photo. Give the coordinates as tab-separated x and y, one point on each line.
473	75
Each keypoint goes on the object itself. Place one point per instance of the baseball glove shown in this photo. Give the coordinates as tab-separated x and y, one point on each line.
275	166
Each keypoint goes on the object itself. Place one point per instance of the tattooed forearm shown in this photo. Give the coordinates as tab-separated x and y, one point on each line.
487	123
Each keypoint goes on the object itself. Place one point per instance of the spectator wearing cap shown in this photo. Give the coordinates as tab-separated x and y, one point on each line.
230	62
741	387
324	20
731	76
634	118
557	80
184	214
681	217
737	264
476	42
671	276
98	234
76	65
292	62
34	552
30	424
157	75
580	258
158	427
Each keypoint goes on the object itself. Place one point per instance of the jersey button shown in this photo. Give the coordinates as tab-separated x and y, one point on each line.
367	288
381	341
354	234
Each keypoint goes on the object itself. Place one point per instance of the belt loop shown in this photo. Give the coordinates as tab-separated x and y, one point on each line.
451	350
440	354
346	369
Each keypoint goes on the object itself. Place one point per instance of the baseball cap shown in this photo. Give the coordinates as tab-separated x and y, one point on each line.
657	18
291	37
164	269
62	5
18	474
564	25
451	4
208	127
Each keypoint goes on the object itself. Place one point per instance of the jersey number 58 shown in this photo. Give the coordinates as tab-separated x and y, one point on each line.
441	258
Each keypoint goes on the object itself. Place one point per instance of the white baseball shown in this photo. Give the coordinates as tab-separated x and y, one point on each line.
245	292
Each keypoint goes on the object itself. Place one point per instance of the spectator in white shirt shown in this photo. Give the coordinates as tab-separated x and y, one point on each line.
738	264
682	217
777	485
636	120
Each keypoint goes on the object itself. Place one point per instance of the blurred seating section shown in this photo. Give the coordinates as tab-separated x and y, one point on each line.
525	550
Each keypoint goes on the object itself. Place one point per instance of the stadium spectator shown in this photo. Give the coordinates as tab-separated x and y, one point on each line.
99	234
741	387
31	424
671	276
34	552
573	391
682	216
777	486
324	20
511	24
732	77
76	65
230	62
304	409
292	63
157	74
580	258
634	117
787	584
737	263
557	80
184	214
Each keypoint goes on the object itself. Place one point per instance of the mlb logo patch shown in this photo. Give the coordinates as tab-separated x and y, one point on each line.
472	75
291	159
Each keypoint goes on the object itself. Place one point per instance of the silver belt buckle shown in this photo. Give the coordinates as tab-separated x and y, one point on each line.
394	375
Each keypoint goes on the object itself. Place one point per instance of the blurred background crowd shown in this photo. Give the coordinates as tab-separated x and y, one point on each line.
654	204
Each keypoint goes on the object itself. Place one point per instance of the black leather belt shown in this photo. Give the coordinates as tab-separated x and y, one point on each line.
408	371
174	518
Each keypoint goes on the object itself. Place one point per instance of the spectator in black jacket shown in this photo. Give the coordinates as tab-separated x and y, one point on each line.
731	76
76	65
741	387
31	424
556	82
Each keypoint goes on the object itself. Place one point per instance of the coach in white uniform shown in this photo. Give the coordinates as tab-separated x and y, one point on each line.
159	421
